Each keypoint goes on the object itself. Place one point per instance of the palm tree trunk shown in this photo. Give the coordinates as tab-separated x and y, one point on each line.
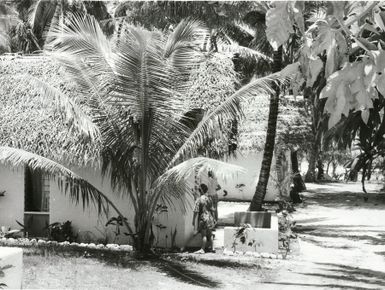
328	166
334	167
260	191
279	156
313	154
299	185
317	113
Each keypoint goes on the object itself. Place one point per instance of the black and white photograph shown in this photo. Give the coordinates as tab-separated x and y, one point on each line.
192	144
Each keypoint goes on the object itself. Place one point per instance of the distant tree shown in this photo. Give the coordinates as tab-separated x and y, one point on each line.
345	69
8	18
280	16
36	18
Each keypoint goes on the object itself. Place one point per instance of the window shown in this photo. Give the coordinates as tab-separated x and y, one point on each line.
36	191
36	203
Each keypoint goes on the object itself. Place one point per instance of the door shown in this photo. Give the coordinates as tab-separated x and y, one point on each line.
36	205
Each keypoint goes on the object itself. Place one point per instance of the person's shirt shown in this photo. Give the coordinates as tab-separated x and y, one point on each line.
203	205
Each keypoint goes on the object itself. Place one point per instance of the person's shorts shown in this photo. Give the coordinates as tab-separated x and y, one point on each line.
206	233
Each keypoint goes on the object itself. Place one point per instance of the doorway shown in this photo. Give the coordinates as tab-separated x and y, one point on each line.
36	202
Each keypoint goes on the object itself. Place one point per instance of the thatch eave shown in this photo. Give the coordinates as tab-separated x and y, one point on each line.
26	124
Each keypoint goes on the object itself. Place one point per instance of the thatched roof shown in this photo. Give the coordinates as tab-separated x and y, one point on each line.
215	80
293	127
26	124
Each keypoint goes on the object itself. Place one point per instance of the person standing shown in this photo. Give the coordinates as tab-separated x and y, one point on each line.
213	187
203	218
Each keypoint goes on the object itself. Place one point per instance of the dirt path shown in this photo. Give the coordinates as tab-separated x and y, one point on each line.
341	241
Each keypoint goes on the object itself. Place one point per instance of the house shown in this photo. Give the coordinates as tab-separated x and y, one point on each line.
35	200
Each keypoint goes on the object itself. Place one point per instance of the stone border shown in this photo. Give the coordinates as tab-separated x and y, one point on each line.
25	242
254	254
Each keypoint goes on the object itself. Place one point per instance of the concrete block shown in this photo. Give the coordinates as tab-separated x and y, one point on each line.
261	240
11	261
256	219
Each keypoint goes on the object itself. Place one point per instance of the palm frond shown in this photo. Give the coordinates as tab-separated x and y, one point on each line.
183	50
83	44
33	12
40	16
8	18
172	186
73	112
198	165
77	188
56	22
231	47
228	110
4	42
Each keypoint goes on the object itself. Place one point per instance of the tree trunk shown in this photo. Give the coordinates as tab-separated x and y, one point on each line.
317	107
328	166
279	159
320	167
334	167
313	155
260	191
369	170
299	185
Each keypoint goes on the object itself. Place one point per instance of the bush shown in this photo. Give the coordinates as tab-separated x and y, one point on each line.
61	232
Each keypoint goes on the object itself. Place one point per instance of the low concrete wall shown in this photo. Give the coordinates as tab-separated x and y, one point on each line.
11	263
261	240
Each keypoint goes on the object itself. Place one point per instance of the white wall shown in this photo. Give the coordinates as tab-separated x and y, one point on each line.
87	220
252	163
83	221
63	209
12	204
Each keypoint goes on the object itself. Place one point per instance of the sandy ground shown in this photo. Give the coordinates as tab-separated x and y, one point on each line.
341	245
341	241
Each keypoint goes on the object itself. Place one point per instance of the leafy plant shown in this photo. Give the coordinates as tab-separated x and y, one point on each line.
2	274
118	222
61	232
241	234
8	233
25	228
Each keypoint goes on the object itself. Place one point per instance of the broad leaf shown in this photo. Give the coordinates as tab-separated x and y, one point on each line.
365	115
298	7
349	89
379	17
278	24
315	67
379	71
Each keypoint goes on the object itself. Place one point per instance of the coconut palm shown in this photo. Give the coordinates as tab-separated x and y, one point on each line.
260	191
8	18
134	85
44	15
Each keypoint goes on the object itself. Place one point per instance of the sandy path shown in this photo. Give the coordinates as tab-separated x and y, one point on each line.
341	241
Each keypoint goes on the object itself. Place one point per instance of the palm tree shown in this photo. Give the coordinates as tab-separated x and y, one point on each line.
134	85
8	18
260	191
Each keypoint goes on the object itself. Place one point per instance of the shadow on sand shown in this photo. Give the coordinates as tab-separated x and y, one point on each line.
345	275
347	199
377	237
183	273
